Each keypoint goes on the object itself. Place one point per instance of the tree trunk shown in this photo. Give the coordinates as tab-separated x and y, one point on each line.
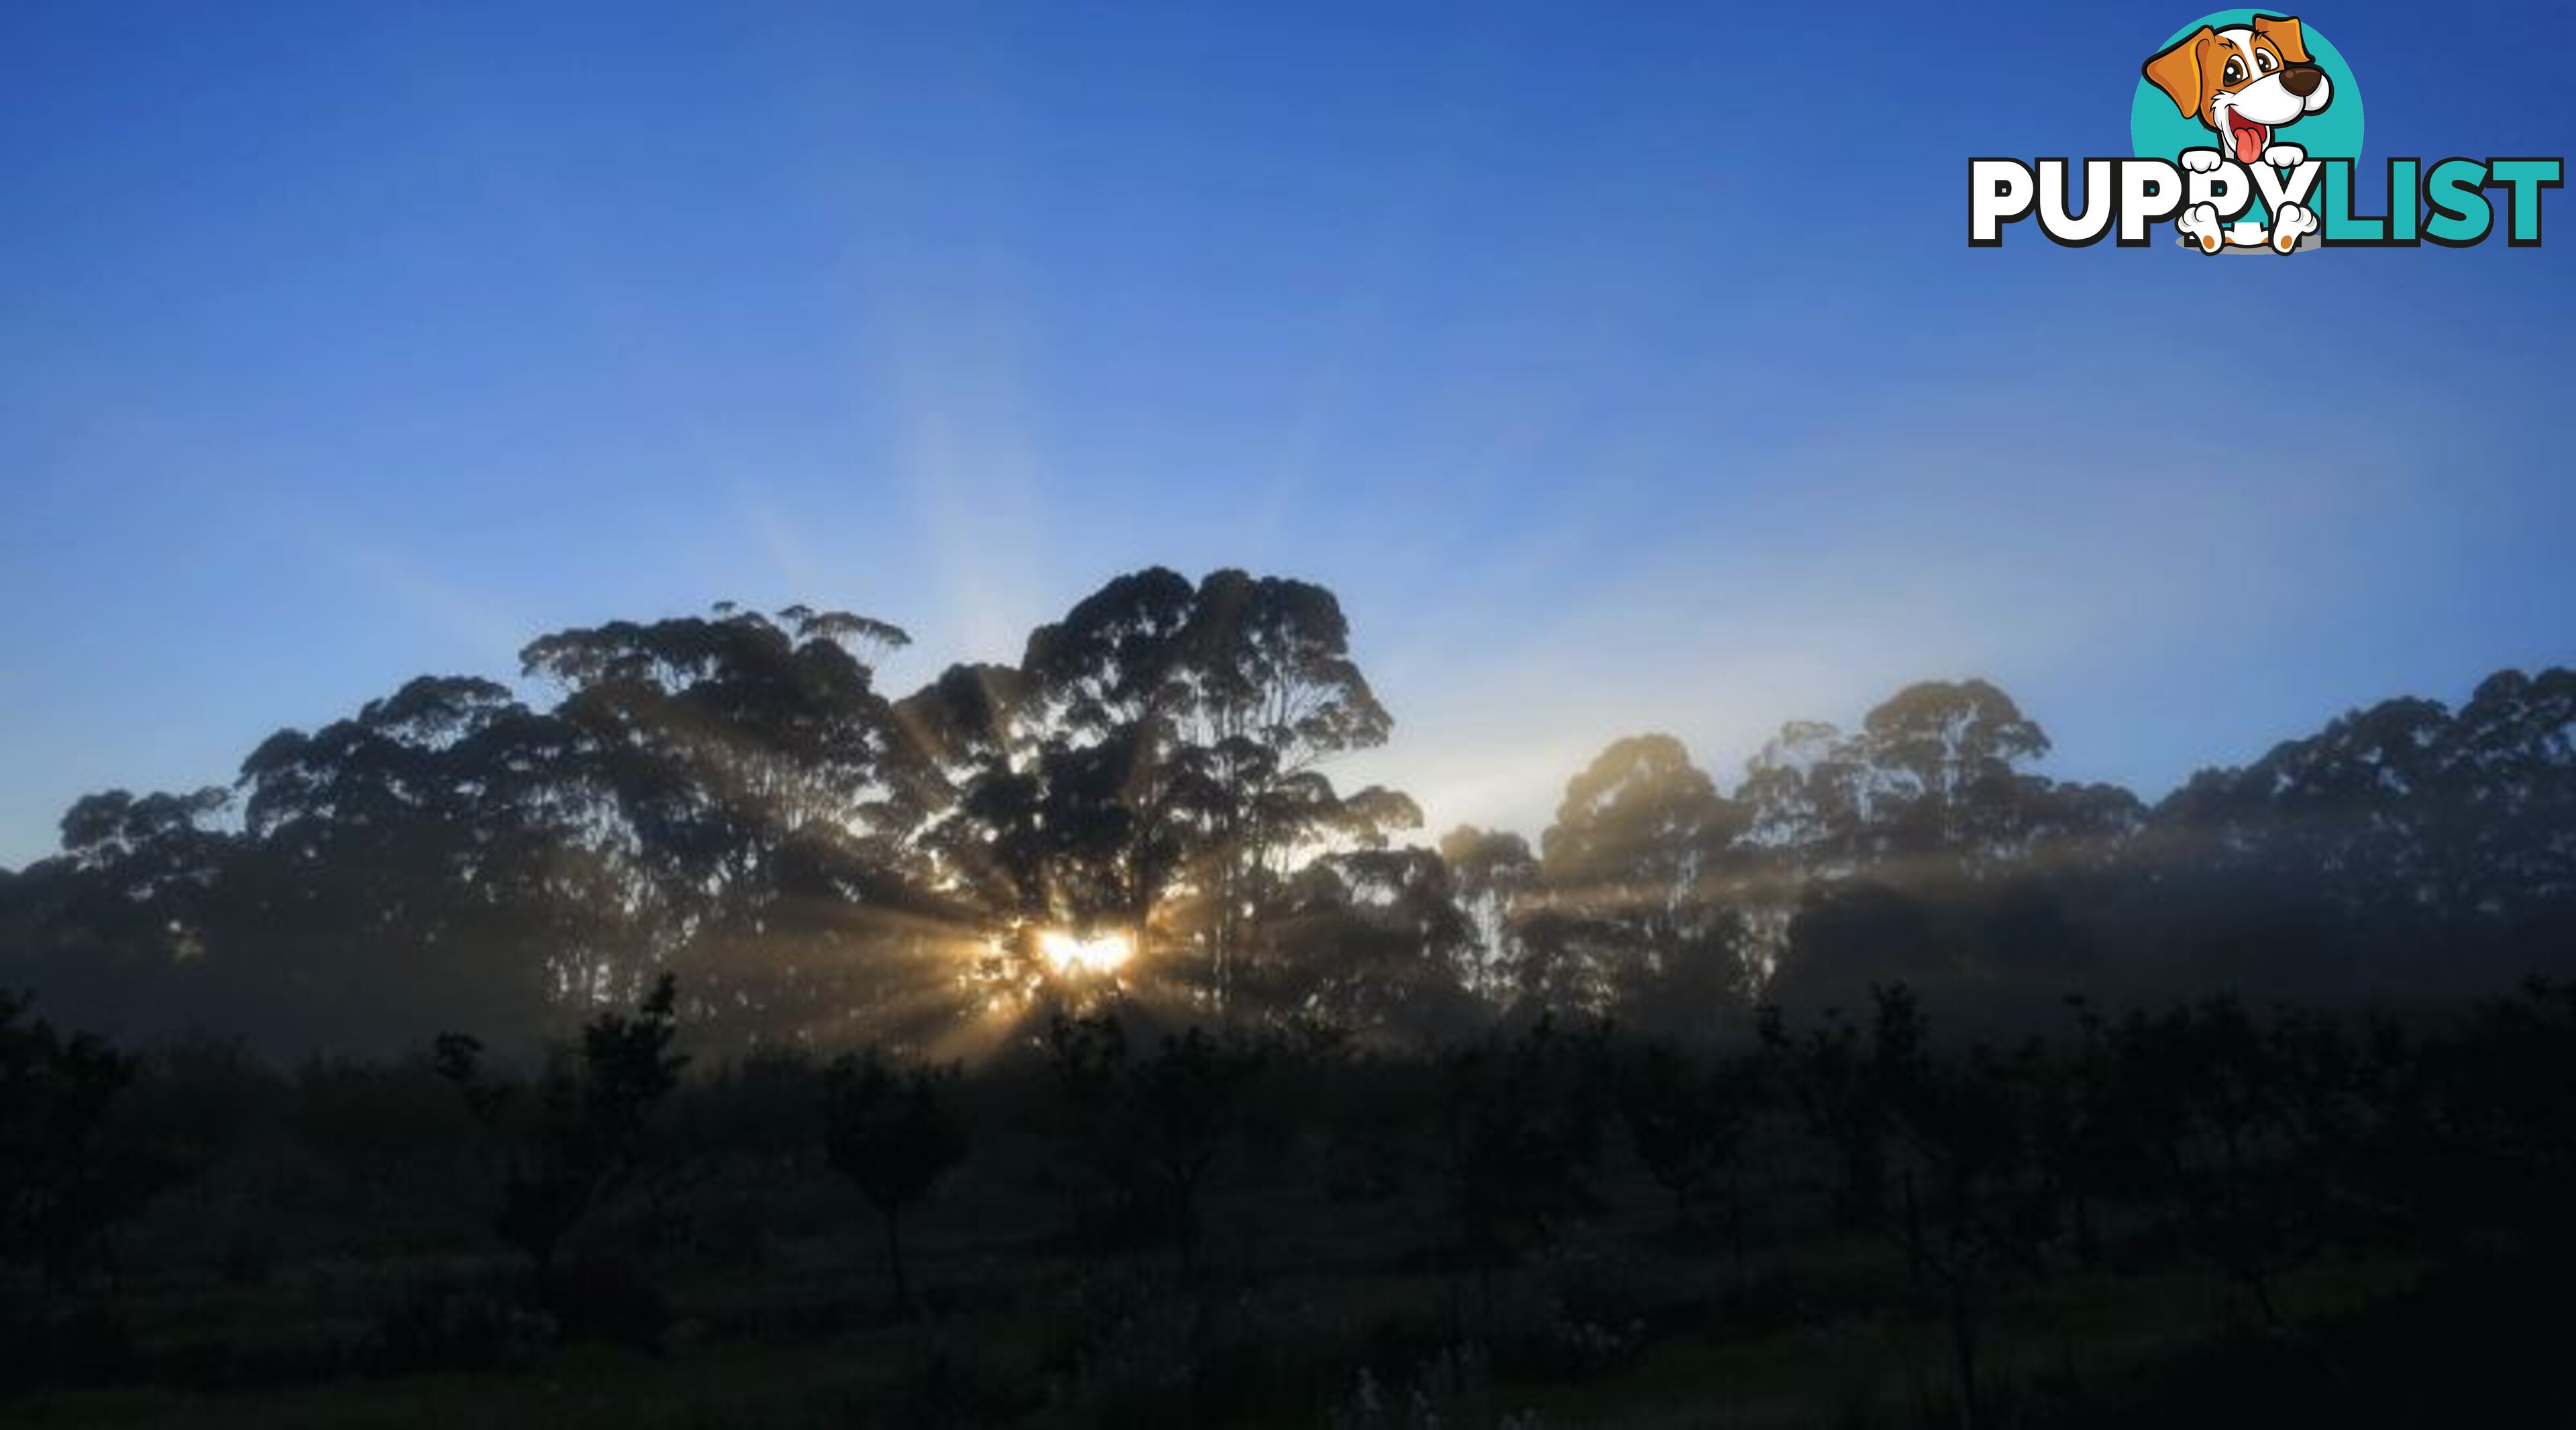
1963	1342
1185	1214
2262	1285
894	1261
1735	1224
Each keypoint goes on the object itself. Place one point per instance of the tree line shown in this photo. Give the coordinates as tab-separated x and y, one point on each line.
595	1194
732	799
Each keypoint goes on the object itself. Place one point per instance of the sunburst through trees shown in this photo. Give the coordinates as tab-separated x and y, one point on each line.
1141	812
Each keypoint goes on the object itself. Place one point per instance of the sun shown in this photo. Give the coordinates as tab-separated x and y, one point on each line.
1071	953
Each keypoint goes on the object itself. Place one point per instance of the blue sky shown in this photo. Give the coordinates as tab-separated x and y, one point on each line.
1622	368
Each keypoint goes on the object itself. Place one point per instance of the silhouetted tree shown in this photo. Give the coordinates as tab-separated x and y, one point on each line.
407	864
1274	695
1687	1117
730	795
1150	1127
894	1133
1629	919
1372	942
1153	763
757	799
2217	1099
62	1183
1496	879
1187	1099
589	1120
1525	1116
114	930
1978	1204
1850	1087
2499	1128
1946	757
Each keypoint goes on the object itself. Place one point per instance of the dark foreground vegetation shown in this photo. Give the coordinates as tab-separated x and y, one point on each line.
2204	1215
697	1036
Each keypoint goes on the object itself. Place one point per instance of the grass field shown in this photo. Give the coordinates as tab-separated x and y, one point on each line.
282	1294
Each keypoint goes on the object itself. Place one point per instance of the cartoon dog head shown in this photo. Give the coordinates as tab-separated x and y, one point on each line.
2243	82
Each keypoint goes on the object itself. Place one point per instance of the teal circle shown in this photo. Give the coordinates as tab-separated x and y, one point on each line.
2157	130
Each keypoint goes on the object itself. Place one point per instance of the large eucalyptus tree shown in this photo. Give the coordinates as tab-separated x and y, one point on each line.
1152	769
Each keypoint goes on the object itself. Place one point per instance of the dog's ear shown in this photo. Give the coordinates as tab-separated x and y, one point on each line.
2283	31
2176	71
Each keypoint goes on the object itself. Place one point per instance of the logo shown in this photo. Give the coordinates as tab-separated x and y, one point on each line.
2246	129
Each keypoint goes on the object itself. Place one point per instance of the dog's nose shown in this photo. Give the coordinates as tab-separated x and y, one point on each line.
2302	80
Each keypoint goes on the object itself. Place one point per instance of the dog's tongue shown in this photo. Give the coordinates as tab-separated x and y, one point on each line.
2249	138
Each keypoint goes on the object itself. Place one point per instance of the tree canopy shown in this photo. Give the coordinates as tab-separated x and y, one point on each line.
731	796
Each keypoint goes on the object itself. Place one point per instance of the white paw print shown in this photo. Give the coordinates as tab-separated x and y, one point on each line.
2285	156
2201	161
